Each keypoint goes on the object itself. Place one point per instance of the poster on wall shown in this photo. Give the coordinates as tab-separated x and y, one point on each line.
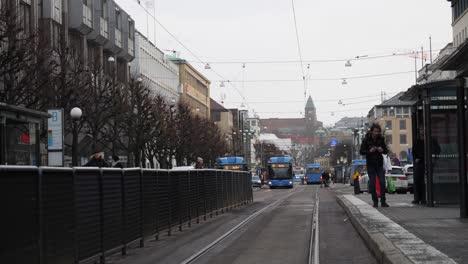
55	137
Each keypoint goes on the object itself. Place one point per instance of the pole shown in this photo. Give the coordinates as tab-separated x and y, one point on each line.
415	68
430	47
422	57
75	144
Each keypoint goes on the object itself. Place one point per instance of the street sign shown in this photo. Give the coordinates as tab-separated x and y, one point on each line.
333	143
55	137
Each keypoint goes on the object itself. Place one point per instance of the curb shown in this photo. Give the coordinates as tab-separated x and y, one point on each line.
383	250
389	242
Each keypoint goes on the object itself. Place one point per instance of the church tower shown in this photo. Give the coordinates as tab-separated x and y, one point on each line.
310	117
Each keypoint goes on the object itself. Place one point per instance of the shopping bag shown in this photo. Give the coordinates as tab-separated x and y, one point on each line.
377	186
390	185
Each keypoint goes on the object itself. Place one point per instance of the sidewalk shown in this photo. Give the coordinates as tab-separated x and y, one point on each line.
406	233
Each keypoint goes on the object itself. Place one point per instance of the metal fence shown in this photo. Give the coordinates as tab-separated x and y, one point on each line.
63	215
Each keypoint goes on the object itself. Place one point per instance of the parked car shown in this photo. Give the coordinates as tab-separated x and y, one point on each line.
298	177
408	169
399	179
256	182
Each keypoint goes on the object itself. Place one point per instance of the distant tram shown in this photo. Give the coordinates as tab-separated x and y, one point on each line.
231	163
280	172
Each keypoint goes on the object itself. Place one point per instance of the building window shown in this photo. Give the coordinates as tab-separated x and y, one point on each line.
25	16
392	111
388	139
388	124
118	19
216	116
403	124
104	9
131	30
403	139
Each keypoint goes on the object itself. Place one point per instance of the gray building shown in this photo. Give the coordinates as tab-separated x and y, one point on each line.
98	30
157	71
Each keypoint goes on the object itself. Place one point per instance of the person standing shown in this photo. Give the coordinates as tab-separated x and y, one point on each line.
325	178
373	146
97	160
199	163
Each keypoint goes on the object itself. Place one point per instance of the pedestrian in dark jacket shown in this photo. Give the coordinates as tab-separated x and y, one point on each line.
116	162
325	178
97	160
373	146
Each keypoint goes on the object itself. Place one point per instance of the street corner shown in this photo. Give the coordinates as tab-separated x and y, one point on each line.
388	241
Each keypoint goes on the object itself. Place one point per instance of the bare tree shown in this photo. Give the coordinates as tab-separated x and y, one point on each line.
24	64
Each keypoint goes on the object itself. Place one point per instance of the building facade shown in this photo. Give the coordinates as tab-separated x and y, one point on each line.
194	87
159	73
222	117
99	31
394	116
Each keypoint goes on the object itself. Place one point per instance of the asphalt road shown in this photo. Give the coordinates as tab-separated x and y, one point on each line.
279	234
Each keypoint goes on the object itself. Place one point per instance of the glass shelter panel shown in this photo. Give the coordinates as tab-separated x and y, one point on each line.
444	140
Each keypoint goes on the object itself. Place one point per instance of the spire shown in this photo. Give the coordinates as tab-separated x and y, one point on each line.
310	103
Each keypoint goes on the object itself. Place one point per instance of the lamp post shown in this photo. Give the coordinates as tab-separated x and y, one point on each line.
75	114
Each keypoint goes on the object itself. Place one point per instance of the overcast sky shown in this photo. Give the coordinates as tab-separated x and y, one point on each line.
254	31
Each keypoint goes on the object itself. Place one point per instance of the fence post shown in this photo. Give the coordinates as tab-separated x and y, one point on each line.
169	231
197	181
124	221
101	216
156	174
204	197
40	216
190	196
142	235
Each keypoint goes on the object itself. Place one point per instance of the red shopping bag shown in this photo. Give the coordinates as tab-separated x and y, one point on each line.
377	186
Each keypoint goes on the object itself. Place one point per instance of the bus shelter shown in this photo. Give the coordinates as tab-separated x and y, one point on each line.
20	135
440	127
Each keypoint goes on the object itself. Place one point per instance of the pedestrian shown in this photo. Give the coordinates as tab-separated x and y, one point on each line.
116	162
97	160
357	187
199	163
373	146
419	186
325	178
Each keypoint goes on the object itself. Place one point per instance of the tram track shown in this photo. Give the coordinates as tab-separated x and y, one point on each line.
313	238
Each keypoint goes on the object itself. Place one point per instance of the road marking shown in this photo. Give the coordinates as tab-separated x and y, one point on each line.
204	250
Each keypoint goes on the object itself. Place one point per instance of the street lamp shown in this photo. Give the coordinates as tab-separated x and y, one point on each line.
75	114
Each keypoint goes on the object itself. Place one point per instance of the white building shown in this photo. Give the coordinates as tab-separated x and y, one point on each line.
156	70
432	72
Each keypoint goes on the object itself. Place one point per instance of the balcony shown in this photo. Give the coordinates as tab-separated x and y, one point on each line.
104	28
131	47
87	16
118	38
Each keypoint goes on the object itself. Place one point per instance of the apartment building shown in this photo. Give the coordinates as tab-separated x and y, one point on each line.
394	116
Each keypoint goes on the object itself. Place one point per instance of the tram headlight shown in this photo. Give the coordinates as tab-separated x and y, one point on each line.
290	182
269	183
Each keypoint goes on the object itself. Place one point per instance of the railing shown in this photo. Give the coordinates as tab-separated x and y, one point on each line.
87	16
64	215
104	28
118	38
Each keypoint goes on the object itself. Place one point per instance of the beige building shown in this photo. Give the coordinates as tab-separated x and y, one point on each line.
223	118
195	88
394	116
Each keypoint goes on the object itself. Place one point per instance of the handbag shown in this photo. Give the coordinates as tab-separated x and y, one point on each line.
377	186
